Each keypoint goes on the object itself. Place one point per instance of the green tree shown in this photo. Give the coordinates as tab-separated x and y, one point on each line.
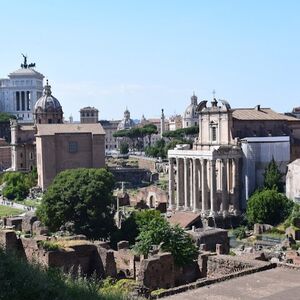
273	177
5	117
130	227
157	150
17	184
148	130
157	231
268	206
83	197
124	148
182	133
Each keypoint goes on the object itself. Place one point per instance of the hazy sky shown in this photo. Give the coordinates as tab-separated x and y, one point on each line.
149	55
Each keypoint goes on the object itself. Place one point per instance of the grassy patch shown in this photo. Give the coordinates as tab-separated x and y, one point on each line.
9	211
117	287
29	202
157	292
20	280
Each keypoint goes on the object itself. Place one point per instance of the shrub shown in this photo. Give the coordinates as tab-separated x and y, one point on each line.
268	206
239	232
82	197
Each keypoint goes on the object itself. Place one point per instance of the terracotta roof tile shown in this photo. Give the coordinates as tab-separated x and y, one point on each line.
51	129
259	114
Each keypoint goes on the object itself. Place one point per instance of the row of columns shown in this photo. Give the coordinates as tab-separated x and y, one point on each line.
196	184
23	101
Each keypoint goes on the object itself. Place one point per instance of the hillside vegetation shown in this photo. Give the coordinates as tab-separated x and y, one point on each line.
22	281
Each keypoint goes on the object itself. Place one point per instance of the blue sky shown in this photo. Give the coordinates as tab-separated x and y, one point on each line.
149	55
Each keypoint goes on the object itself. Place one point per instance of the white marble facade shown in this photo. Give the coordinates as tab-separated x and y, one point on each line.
205	181
20	91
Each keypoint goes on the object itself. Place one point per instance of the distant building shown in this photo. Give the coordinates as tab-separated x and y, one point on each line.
89	115
110	127
52	146
292	181
228	157
126	122
175	122
5	155
68	146
47	110
190	116
20	91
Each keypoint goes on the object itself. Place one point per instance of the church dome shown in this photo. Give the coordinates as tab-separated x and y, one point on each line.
126	123
190	111
47	102
190	116
47	109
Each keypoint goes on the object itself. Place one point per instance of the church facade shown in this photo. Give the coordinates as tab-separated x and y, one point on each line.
210	177
52	146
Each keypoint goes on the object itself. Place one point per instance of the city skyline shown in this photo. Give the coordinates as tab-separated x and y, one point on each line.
148	56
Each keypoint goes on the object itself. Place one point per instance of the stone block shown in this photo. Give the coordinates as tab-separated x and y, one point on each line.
8	240
123	245
261	228
15	222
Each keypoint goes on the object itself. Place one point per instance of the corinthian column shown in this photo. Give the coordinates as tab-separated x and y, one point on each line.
171	183
204	186
178	183
186	182
236	188
213	200
195	198
225	203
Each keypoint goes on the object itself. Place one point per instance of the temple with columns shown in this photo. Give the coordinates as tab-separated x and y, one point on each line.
227	160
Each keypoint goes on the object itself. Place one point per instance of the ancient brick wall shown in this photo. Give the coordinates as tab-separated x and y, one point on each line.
223	264
157	271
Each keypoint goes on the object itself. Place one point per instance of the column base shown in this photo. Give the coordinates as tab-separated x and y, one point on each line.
212	213
236	212
225	213
171	207
179	208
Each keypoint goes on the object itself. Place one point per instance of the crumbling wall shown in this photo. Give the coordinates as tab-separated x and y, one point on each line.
219	265
8	240
157	271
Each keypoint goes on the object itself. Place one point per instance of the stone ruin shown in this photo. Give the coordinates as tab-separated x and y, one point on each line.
77	255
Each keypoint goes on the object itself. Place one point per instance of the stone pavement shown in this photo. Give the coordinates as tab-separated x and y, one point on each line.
274	284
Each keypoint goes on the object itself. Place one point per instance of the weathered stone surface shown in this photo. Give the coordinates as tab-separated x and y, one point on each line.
157	271
293	232
28	221
261	228
8	240
123	245
15	222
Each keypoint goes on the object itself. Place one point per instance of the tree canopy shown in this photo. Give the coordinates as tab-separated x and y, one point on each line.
84	198
155	230
124	148
182	133
273	177
5	117
17	184
268	206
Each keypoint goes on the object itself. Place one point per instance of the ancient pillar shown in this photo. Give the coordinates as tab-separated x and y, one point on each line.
225	202
213	199
171	184
236	188
186	183
204	185
194	204
178	191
